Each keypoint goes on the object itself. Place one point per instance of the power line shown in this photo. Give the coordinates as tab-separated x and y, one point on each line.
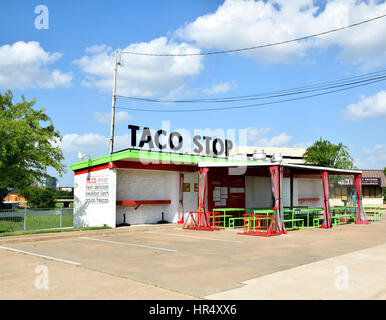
254	47
273	94
257	104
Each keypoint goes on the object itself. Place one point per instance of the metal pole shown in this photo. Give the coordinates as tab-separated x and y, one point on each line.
25	218
113	102
291	189
61	215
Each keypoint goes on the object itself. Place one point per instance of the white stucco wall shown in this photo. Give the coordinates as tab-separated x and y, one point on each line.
308	188
365	202
147	185
258	192
88	212
190	198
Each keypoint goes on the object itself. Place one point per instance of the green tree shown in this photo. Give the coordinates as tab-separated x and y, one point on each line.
326	154
39	197
28	145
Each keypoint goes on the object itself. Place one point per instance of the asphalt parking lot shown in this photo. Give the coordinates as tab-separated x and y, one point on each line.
167	262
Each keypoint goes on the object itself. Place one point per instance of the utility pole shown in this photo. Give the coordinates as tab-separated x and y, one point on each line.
113	102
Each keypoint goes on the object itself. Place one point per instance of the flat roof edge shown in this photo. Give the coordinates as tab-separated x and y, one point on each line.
137	154
269	164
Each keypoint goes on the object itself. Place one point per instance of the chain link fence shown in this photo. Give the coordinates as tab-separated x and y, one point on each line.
27	219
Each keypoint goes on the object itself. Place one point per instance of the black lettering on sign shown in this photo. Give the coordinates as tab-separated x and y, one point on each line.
156	139
134	130
207	144
180	140
175	141
228	146
197	143
146	138
221	143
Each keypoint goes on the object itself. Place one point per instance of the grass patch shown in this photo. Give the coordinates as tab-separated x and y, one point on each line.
16	224
21	233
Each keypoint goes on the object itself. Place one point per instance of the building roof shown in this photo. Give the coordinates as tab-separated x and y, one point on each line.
149	156
291	152
375	174
268	164
188	159
290	155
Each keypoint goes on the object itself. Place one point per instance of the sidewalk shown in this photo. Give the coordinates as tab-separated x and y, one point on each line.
357	275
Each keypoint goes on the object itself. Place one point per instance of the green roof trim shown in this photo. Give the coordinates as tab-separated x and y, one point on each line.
157	157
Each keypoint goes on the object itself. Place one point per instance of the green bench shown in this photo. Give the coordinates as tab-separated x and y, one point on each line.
316	221
231	222
375	214
306	213
337	220
292	220
294	224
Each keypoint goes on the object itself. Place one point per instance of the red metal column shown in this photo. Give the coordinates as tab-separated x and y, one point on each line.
181	200
360	216
201	189
327	223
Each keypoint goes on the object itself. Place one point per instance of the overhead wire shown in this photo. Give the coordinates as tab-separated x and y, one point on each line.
271	94
252	105
253	47
338	85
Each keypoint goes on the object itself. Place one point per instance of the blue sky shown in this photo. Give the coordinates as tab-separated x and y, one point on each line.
68	68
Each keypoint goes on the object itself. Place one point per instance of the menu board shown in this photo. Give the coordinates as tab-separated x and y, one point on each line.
220	195
97	190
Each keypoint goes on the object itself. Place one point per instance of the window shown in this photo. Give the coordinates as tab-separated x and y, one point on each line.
332	192
371	192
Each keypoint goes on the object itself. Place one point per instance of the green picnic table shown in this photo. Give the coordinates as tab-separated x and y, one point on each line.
312	211
263	211
225	215
375	214
289	217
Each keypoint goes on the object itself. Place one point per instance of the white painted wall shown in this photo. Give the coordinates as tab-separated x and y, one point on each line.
190	198
286	189
258	192
147	185
308	188
88	214
365	202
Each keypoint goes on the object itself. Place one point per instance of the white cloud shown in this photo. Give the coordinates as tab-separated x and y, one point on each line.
281	140
141	75
239	24
372	158
105	117
254	133
303	145
92	144
25	65
256	137
220	88
368	107
87	143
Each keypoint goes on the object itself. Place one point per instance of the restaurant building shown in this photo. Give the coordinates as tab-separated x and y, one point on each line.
134	186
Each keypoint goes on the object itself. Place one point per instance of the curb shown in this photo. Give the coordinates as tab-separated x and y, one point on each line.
76	234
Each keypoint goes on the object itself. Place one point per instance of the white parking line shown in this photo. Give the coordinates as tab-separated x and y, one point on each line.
193	237
41	256
129	244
